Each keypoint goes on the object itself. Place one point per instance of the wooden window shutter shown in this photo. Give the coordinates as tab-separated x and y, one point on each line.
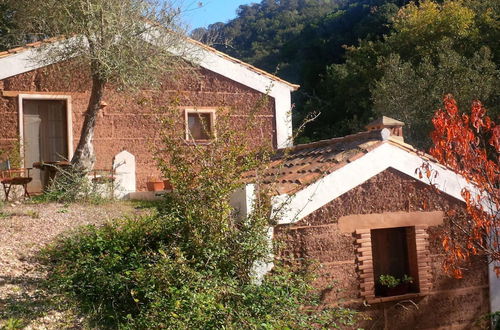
364	261
423	259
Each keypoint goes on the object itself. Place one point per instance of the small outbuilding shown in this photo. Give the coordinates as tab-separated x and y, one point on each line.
358	206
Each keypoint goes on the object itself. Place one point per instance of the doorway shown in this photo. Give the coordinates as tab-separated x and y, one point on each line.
45	135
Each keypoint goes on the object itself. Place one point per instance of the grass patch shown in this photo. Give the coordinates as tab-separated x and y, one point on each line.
13	324
4	215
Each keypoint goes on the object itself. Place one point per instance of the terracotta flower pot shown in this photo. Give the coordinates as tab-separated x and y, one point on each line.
155	185
167	185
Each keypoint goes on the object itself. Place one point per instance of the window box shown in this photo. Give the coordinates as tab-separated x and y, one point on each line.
400	289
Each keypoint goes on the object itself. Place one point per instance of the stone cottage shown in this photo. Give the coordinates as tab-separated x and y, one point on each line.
357	206
42	105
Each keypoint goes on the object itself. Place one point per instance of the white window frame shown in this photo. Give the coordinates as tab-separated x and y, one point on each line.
43	97
210	111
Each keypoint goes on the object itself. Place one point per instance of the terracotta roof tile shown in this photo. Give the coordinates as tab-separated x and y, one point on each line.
294	168
15	50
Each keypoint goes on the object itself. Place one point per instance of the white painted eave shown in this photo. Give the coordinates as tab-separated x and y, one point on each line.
18	63
293	208
242	73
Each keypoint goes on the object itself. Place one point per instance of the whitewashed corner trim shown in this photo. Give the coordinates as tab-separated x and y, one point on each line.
242	200
262	267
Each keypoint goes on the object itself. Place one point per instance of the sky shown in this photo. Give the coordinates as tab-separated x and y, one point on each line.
211	11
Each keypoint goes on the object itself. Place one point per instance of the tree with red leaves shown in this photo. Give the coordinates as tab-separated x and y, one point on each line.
469	144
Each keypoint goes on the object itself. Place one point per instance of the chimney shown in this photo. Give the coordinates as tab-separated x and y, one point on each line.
393	125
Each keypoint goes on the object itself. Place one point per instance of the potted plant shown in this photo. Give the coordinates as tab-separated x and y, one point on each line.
167	185
392	286
155	184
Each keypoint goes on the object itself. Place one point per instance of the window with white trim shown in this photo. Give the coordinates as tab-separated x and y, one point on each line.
200	125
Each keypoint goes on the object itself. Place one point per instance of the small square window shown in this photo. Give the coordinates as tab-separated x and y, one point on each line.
199	125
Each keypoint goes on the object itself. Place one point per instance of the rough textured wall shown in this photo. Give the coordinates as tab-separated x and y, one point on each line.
130	120
8	122
451	303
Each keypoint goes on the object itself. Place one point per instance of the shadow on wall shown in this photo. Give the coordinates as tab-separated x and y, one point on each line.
459	303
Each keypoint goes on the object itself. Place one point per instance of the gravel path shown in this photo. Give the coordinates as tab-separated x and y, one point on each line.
24	230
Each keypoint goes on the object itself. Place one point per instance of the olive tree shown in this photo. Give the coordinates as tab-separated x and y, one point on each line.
118	40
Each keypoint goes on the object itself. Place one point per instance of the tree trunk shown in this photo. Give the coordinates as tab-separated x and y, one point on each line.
84	157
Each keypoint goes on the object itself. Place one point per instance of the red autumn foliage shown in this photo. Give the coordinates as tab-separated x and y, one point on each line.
470	144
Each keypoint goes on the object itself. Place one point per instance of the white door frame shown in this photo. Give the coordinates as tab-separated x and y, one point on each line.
48	97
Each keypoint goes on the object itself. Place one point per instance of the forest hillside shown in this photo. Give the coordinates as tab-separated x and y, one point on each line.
359	59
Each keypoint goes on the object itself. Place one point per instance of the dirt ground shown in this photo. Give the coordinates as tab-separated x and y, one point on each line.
26	228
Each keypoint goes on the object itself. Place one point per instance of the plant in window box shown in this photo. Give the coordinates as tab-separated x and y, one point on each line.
155	184
392	286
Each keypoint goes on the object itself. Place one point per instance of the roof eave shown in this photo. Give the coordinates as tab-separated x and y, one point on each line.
284	83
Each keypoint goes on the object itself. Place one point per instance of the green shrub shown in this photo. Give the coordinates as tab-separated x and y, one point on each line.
70	186
407	279
139	273
13	324
389	281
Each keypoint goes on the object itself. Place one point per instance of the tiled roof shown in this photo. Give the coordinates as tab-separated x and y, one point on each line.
192	41
295	168
28	46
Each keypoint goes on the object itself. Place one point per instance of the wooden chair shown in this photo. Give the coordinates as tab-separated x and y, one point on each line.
14	177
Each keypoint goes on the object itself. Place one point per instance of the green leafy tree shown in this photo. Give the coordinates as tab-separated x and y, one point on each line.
262	30
420	29
106	37
431	49
6	26
342	95
434	50
411	92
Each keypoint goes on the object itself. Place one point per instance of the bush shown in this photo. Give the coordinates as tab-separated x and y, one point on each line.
139	273
70	186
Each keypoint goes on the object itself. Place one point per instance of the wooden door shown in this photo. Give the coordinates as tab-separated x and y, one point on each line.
45	136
